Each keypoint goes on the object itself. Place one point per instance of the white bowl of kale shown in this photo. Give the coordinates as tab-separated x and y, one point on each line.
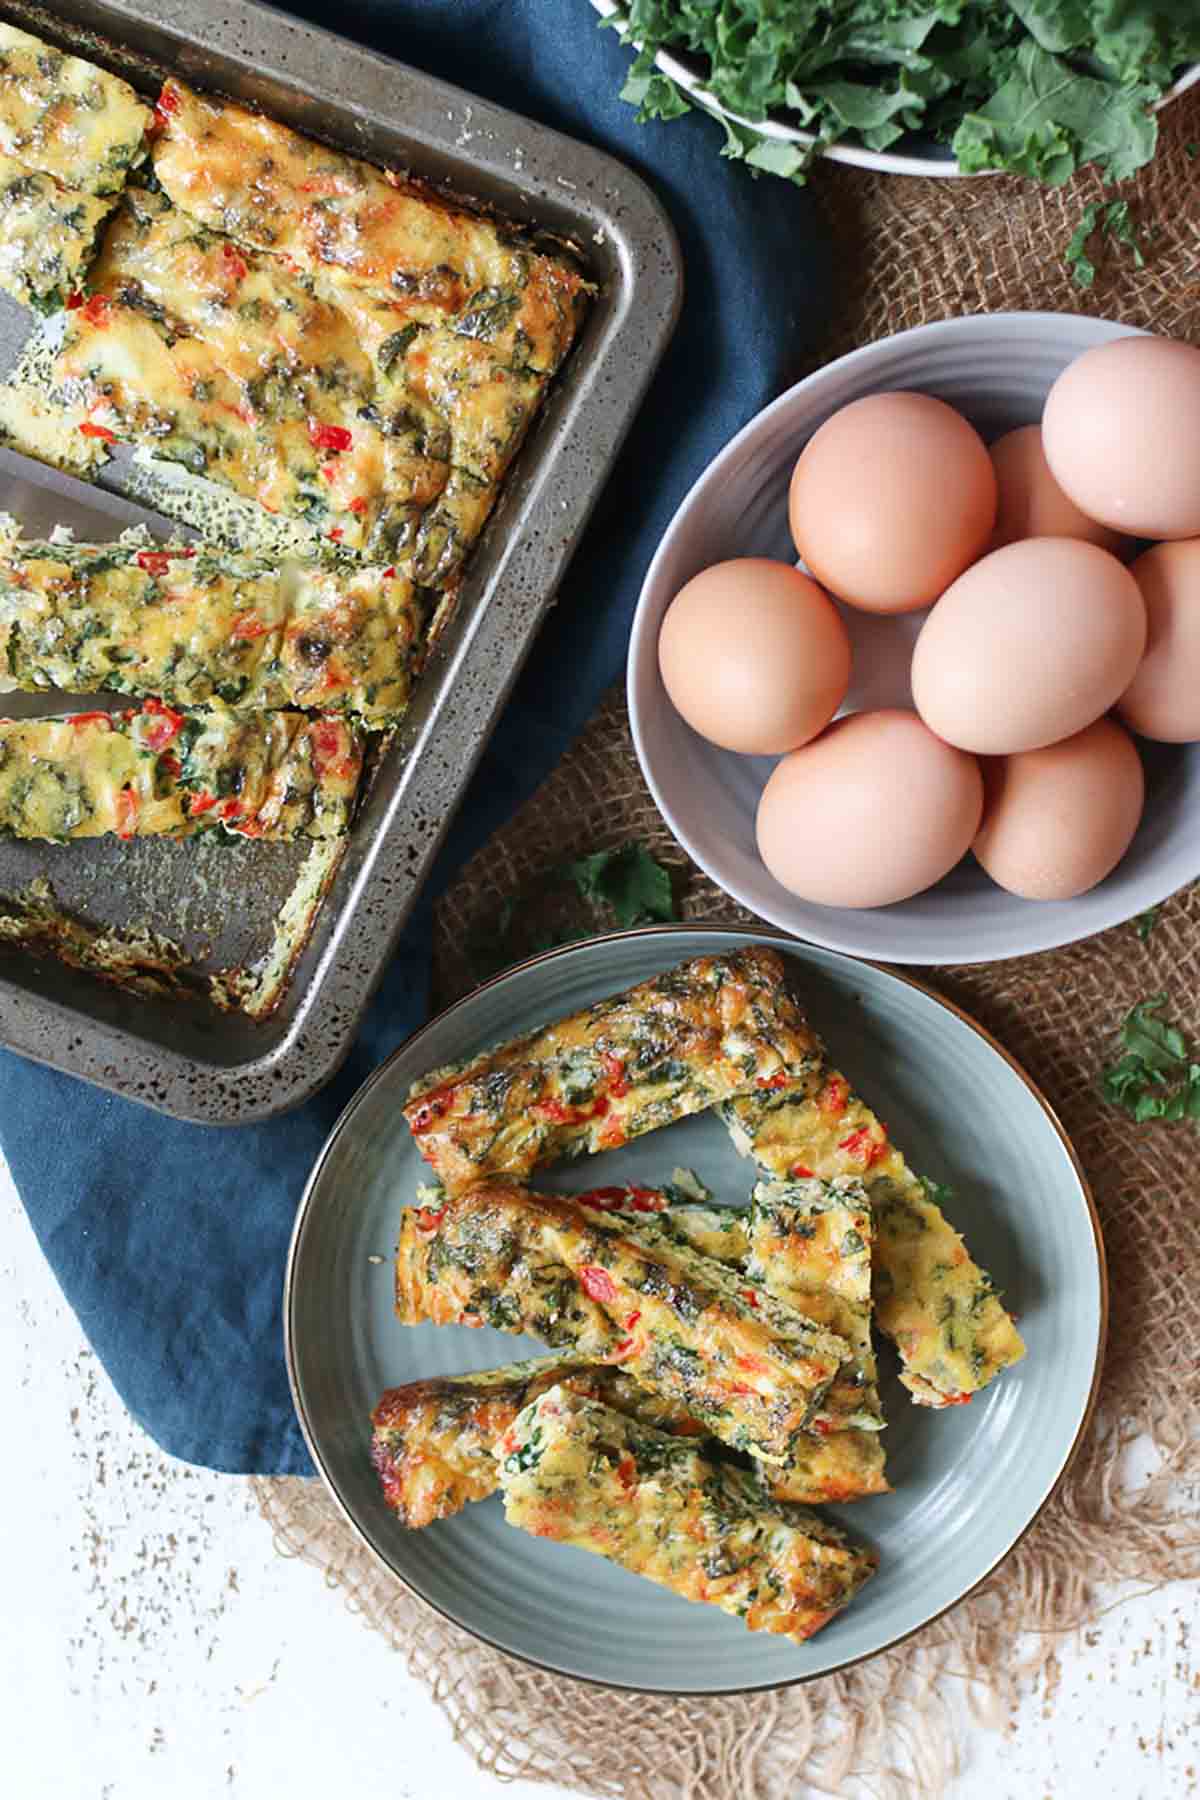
1032	87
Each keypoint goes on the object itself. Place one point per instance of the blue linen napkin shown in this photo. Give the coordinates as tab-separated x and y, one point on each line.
169	1239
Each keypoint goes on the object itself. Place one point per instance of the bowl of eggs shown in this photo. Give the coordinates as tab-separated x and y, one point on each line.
915	671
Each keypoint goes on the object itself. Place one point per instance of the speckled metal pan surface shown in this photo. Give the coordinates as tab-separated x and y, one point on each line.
189	1059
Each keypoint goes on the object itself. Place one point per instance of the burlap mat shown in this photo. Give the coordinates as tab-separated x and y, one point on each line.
910	252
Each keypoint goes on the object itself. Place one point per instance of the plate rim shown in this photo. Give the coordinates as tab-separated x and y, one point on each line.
665	933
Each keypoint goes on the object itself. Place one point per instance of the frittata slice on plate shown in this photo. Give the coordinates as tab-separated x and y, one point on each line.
434	1442
194	625
941	1310
753	1371
157	771
582	1474
852	1398
66	117
48	236
671	1046
810	1246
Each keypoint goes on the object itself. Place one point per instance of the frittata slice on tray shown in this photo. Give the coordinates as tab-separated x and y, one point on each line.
157	771
671	1046
580	1473
48	236
941	1310
434	1442
316	400
852	1398
347	222
198	626
810	1246
66	117
753	1371
225	361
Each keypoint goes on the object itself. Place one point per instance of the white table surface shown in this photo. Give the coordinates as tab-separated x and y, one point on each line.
155	1645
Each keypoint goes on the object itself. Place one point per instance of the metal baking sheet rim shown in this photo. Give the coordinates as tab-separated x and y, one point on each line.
558	184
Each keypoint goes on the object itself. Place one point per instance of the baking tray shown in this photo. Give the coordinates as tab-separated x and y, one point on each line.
187	1057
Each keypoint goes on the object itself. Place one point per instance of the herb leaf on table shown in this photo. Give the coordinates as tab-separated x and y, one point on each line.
1144	924
1156	1078
609	889
637	888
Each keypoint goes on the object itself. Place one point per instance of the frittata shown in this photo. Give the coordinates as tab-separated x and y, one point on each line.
67	118
937	1306
582	1474
719	1232
48	236
852	1398
753	1371
434	1442
309	398
35	426
198	626
157	771
810	1246
224	361
827	1461
671	1046
347	222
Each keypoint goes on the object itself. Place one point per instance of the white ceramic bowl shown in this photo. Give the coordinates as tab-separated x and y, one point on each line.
997	369
925	157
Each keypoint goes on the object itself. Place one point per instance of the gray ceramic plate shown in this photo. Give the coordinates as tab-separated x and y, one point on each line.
968	1481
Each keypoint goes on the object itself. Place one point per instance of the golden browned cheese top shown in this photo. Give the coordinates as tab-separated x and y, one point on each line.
66	117
638	1060
346	221
581	1473
434	1441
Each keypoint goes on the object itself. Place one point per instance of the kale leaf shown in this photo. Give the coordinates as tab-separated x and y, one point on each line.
573	900
1036	87
637	888
1156	1078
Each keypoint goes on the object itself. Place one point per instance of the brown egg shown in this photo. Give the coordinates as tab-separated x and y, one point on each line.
873	810
1163	699
891	499
754	656
1121	431
1057	821
1030	502
1029	646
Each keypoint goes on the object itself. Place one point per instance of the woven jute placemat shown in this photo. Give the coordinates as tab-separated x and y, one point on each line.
910	251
